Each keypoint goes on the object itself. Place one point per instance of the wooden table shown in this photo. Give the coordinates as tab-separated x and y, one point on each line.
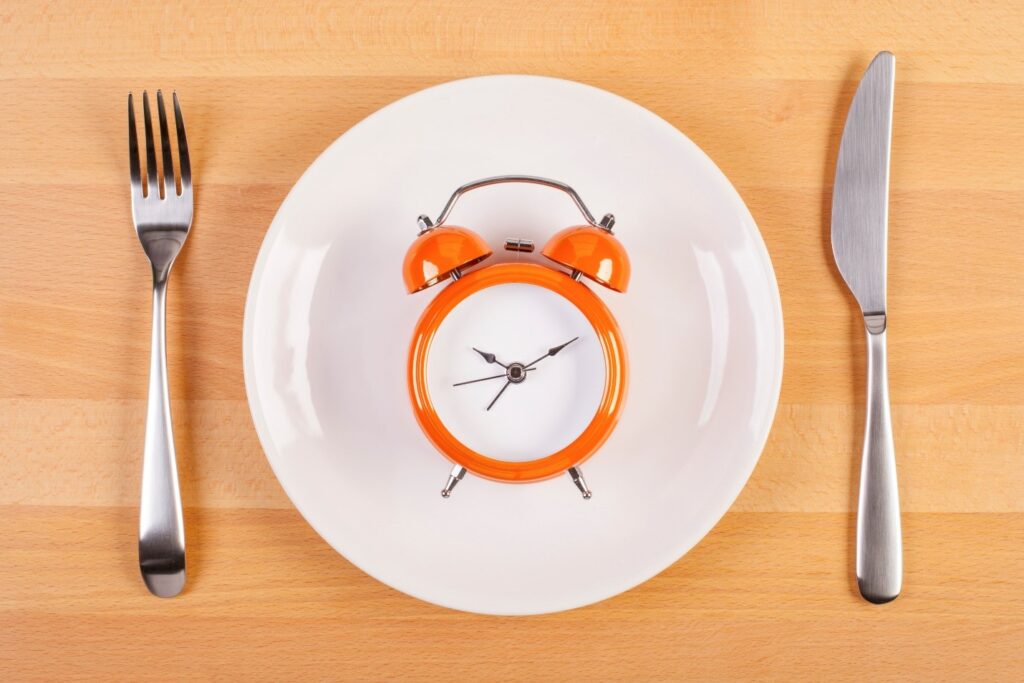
763	87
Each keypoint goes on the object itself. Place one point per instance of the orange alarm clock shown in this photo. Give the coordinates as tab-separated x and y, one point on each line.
517	371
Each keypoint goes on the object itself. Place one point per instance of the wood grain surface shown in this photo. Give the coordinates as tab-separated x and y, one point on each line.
762	87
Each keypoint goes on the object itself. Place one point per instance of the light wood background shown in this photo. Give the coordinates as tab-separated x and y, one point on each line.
762	86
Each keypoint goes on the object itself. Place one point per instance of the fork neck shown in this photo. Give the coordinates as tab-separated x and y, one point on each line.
160	276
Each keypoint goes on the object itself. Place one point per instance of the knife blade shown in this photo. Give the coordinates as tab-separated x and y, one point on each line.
860	199
860	216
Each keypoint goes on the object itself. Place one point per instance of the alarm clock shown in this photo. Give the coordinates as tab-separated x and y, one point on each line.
517	371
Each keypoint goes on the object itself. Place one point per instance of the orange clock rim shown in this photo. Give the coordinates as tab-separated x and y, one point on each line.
609	336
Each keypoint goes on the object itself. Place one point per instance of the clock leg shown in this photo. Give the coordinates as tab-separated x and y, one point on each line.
581	483
456	475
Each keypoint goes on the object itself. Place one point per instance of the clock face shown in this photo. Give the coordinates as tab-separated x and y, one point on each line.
540	367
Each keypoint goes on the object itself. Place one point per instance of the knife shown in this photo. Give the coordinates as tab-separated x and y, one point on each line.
860	216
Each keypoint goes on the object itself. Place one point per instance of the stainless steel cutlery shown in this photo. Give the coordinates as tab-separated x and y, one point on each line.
162	212
860	216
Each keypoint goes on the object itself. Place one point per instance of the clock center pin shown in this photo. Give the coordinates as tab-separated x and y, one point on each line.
516	373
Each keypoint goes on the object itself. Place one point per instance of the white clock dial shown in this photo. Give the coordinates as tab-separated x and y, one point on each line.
550	407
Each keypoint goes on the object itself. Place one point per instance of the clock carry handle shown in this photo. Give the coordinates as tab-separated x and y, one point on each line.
606	222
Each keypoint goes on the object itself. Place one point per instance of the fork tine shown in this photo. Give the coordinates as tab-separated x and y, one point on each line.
165	146
151	181
134	169
183	164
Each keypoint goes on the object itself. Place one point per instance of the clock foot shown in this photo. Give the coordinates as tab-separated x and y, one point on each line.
581	483
456	475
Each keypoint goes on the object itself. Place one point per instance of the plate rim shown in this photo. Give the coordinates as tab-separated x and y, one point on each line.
678	550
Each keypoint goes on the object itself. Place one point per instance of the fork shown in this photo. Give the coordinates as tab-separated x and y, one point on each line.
162	212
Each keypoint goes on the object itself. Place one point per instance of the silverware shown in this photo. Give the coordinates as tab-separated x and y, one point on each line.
163	215
860	216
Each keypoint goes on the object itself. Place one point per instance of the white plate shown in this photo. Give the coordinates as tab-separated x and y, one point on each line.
327	327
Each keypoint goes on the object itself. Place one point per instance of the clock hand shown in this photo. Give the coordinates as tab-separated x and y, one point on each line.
489	357
552	351
484	379
499	394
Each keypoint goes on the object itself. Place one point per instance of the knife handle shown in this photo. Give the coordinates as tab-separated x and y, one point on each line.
879	540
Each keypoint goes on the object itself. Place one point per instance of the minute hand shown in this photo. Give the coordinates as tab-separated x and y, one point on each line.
552	351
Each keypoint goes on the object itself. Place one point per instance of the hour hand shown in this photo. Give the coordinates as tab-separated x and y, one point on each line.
489	357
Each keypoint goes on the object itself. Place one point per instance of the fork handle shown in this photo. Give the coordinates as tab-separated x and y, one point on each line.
879	539
161	530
